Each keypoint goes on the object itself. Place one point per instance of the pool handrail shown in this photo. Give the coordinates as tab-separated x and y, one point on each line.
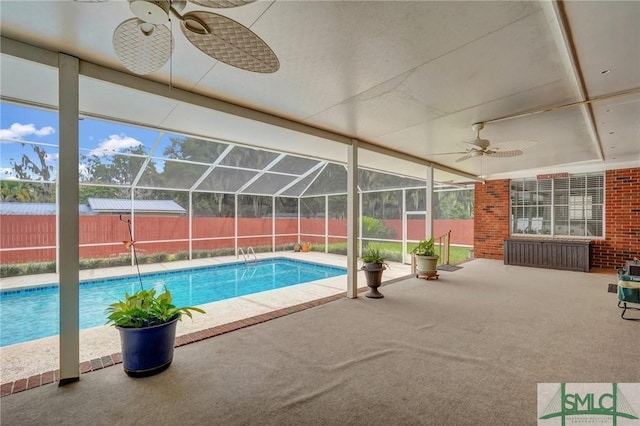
249	251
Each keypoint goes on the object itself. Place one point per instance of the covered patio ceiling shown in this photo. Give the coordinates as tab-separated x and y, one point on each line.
409	77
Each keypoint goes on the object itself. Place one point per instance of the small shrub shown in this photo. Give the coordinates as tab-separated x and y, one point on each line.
49	267
10	270
342	249
120	261
158	257
181	255
262	249
33	268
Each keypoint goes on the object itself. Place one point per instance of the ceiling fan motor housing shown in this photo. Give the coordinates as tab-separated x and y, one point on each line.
151	11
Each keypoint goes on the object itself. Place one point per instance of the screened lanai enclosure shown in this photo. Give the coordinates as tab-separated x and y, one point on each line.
87	149
189	197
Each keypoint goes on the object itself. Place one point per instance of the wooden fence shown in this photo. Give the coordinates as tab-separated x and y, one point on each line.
33	238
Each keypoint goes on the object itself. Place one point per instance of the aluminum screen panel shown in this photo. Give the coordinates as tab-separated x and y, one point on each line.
248	158
178	147
299	188
294	165
332	180
171	174
223	179
369	180
113	169
268	184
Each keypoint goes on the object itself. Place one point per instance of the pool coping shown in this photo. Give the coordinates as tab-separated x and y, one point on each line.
49	377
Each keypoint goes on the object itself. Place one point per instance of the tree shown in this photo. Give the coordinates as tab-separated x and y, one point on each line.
36	169
21	192
118	169
89	191
28	169
454	204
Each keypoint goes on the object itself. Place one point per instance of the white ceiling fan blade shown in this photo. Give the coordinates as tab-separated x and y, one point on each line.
222	4
503	154
513	145
475	143
449	153
228	41
141	47
464	157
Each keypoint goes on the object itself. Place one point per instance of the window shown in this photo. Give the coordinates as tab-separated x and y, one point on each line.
569	206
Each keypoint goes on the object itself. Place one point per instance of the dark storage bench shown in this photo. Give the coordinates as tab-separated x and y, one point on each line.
572	255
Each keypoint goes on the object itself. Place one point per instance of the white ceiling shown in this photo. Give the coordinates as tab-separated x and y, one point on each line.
411	76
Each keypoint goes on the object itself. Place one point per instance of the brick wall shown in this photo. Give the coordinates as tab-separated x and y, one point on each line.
491	218
622	220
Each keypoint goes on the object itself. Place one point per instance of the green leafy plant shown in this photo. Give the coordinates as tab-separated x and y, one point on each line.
374	228
425	248
373	255
144	309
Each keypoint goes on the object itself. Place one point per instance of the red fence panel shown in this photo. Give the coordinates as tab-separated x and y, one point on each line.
27	231
40	231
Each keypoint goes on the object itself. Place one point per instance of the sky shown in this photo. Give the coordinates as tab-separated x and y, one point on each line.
21	127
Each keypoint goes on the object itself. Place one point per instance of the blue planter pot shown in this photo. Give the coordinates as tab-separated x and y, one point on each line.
149	350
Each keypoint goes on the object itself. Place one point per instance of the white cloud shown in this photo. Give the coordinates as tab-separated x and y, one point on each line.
7	173
83	170
115	143
18	131
51	157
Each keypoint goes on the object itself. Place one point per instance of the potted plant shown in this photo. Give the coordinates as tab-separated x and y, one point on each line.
373	265
305	247
426	257
372	259
147	326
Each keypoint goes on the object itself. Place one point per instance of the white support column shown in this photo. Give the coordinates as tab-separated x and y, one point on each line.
429	204
326	224
360	243
190	224
132	217
404	225
235	224
299	205
68	218
273	224
352	220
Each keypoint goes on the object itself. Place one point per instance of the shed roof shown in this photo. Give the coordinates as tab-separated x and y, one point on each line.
94	206
114	205
35	209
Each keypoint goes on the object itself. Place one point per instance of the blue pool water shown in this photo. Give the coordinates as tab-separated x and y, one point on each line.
28	314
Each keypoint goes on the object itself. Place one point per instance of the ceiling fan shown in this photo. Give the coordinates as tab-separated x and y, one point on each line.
479	147
144	43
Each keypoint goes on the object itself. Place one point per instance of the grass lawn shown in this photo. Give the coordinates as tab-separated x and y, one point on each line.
392	251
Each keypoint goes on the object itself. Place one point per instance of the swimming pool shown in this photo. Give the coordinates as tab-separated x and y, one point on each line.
32	313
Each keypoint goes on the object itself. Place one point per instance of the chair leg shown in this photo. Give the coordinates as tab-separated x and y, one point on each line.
624	308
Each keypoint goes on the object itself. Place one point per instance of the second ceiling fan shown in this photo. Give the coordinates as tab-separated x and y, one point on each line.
479	147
